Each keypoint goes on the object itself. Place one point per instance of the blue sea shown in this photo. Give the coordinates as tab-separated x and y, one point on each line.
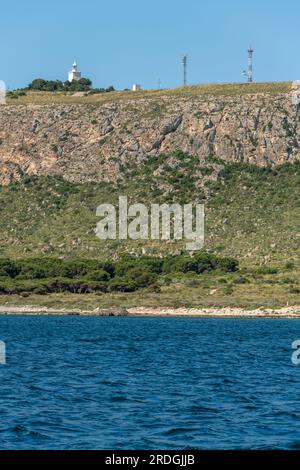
149	383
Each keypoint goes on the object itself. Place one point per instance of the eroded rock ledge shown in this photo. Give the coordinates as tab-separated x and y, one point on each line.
88	142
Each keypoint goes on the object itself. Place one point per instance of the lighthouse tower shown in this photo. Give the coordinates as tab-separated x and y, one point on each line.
74	75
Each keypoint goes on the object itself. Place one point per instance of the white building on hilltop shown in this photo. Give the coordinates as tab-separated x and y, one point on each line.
74	75
136	87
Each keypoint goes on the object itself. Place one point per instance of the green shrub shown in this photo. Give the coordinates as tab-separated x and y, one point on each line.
99	275
240	280
264	270
200	263
122	285
290	265
141	277
294	290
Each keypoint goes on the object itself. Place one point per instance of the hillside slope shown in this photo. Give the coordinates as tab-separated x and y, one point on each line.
234	148
252	214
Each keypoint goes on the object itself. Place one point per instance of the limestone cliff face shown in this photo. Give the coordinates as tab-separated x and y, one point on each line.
91	142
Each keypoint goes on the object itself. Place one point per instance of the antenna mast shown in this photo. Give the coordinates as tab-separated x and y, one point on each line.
250	65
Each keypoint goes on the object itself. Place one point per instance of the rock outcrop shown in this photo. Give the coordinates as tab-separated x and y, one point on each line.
89	142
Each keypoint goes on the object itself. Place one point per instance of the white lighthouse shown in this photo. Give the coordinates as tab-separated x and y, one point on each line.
74	75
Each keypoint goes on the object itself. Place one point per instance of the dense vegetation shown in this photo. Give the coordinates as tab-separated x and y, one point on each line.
48	275
39	84
83	84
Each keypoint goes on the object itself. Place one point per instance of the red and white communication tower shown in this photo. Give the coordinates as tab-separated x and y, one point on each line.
249	73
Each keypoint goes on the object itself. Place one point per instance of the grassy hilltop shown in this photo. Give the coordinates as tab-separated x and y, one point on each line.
40	98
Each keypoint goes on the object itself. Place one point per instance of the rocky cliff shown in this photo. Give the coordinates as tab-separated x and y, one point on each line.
92	142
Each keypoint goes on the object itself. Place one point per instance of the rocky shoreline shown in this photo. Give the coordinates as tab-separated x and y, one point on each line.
286	312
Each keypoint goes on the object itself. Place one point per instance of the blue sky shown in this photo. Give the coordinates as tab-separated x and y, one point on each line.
118	42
